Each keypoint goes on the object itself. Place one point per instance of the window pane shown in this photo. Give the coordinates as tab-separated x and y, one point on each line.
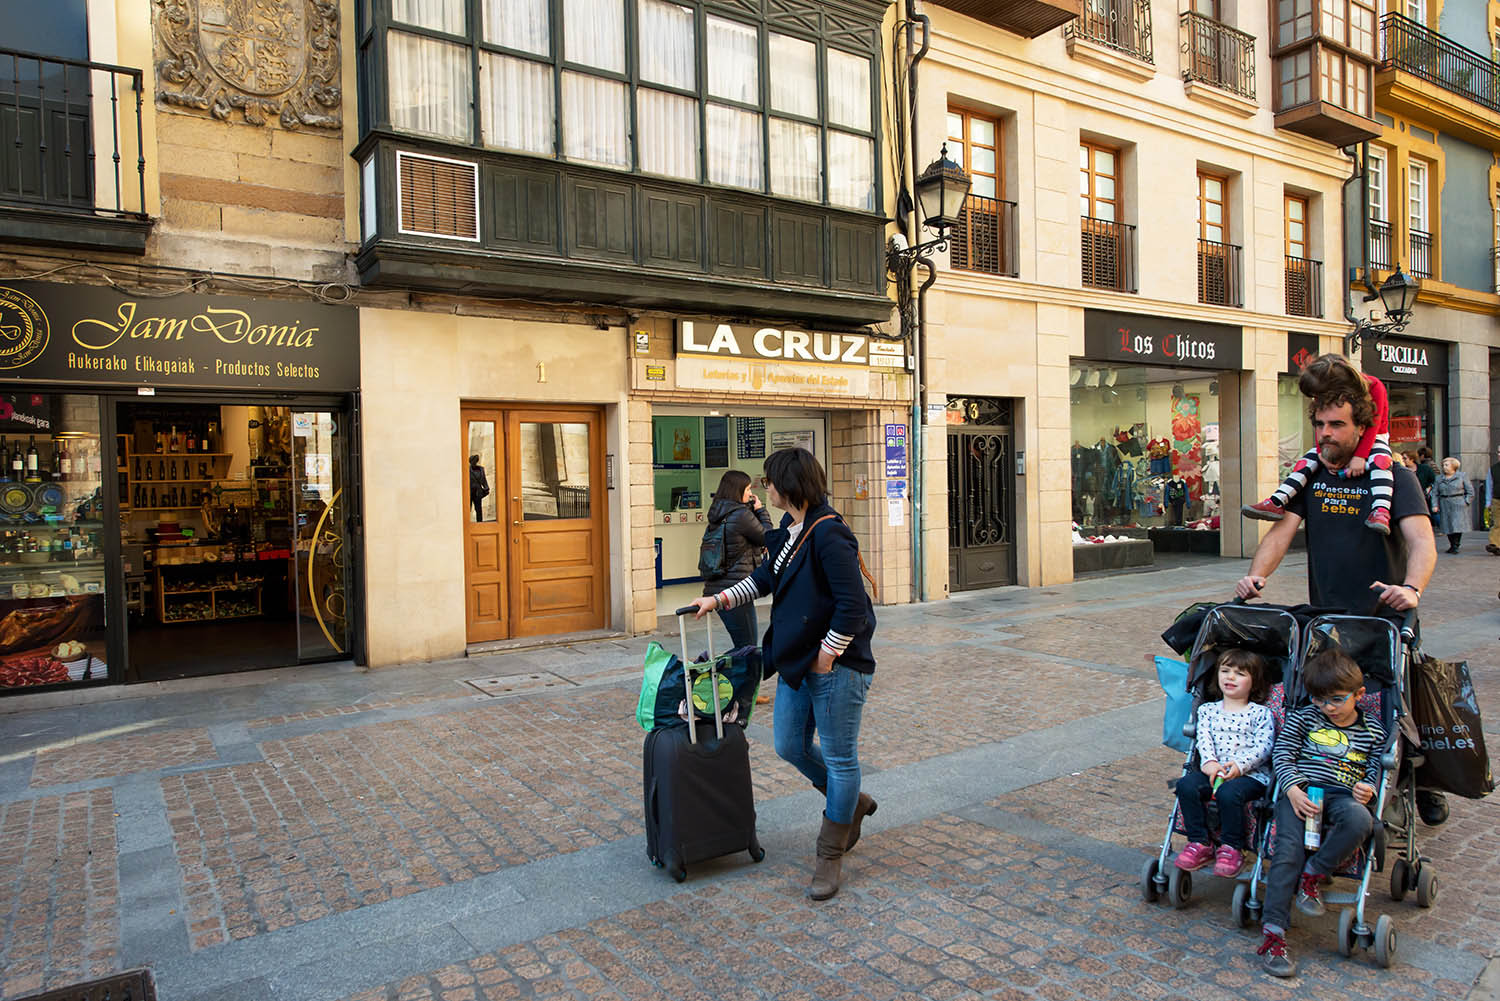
439	15
984	187
983	131
1362	29
594	33
1213	212
734	148
1104	162
955	125
668	53
518	24
795	160
1105	211
668	125
851	171
429	86
794	85
982	161
595	123
848	90
1104	188
1213	188
733	61
554	471
517	111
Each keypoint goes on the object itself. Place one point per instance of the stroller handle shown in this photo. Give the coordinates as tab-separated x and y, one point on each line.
1409	626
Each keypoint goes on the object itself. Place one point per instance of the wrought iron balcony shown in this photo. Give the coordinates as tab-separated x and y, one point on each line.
1412	47
1108	255
1122	25
985	237
1495	268
1380	244
1304	287
1218	55
1027	18
71	143
1219	270
1421	254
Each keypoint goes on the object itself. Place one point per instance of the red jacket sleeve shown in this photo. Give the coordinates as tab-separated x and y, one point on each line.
1382	424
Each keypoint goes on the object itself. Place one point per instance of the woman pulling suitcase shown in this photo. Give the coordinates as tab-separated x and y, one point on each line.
818	642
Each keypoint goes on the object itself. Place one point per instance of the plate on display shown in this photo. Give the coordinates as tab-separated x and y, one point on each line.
49	495
15	498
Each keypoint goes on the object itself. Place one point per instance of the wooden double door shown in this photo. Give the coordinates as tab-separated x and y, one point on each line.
534	521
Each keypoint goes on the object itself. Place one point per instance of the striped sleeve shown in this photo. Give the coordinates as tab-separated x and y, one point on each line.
745	590
836	643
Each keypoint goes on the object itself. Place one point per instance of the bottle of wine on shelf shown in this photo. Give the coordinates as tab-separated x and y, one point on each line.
4	460
161	469
33	462
17	463
173	470
160	445
174	443
148	469
62	466
192	440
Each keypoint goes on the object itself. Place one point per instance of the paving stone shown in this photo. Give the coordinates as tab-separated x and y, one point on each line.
143	752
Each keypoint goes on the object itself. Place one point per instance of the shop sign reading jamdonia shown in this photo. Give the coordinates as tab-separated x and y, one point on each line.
777	345
82	333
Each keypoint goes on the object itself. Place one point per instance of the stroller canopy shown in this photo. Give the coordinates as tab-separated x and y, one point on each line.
1271	632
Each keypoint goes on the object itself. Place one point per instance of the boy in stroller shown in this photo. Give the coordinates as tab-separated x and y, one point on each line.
1331	744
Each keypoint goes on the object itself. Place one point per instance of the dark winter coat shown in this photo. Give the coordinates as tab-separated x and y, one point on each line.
744	537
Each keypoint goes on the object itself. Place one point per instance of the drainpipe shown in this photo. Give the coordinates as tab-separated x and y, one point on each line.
919	327
1362	175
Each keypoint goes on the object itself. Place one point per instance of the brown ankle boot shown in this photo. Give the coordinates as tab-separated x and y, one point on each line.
832	839
862	809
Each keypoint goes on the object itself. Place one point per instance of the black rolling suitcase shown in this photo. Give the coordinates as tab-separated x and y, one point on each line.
699	803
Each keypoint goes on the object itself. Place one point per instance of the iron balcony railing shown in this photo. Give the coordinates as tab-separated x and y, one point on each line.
1380	244
1495	268
1412	47
1218	55
70	134
984	238
1304	287
1219	268
1124	25
1421	254
1108	255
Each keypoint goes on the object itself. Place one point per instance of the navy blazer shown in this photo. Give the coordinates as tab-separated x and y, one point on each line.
820	589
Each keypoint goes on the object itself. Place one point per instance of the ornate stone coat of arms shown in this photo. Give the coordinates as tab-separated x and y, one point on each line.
266	58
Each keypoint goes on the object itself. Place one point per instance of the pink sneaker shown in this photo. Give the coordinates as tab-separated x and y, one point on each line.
1194	857
1228	862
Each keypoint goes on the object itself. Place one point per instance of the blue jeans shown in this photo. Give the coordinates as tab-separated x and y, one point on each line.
744	629
1346	825
831	705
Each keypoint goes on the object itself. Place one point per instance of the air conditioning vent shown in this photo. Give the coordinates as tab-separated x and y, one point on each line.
437	196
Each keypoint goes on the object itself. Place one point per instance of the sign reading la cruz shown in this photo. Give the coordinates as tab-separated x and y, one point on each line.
63	332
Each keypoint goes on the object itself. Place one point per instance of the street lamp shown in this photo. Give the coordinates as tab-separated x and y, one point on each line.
1397	295
941	192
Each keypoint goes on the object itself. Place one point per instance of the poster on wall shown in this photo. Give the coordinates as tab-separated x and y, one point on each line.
716	442
895	451
801	438
750	438
1187	442
895	503
676	440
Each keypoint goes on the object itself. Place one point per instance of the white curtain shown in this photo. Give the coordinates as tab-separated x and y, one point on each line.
733	61
439	15
795	160
667	130
735	154
851	171
848	90
430	86
517	108
518	24
668	55
594	33
794	84
595	123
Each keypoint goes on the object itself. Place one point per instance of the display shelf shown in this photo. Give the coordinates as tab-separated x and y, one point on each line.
52	565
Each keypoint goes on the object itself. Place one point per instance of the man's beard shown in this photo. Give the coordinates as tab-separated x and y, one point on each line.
1333	454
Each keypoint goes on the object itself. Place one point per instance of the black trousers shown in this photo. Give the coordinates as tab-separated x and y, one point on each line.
1193	792
1454	538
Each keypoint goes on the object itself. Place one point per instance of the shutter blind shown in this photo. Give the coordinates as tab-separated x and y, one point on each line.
438	197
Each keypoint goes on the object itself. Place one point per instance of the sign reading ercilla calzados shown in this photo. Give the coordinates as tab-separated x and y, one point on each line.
91	334
775	344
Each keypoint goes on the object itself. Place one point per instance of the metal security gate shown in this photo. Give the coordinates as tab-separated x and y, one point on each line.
981	493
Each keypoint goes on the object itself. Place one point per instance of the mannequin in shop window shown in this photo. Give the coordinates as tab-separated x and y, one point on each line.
1177	496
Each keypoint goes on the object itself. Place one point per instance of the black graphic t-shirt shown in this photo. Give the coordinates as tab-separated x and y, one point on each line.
1344	556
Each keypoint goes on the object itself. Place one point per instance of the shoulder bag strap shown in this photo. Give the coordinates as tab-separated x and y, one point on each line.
864	571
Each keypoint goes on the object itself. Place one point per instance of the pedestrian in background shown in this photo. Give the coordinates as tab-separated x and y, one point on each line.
1454	494
745	524
819	644
1426	474
1492	499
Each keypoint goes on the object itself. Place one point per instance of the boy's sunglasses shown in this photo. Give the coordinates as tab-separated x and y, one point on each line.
1332	703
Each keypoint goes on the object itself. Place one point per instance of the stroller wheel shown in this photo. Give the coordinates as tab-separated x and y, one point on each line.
1346	932
1239	904
1400	879
1385	941
1179	887
1427	886
1149	889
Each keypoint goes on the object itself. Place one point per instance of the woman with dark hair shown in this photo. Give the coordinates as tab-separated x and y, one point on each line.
745	524
819	643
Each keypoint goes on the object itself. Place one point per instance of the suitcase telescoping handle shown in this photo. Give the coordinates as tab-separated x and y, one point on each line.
687	676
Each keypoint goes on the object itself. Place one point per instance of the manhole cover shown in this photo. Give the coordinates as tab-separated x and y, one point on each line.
136	985
509	684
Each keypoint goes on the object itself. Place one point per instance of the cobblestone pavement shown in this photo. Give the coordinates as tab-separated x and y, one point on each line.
331	833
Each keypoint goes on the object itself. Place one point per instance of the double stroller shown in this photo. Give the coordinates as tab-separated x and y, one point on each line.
1383	650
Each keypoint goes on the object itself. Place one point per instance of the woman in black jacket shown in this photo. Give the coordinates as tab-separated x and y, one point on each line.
819	643
745	526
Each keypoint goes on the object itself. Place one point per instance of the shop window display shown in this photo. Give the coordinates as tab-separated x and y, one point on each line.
1145	449
1294	435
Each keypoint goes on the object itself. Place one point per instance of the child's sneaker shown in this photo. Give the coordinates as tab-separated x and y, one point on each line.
1266	510
1228	862
1275	957
1194	857
1309	900
1380	520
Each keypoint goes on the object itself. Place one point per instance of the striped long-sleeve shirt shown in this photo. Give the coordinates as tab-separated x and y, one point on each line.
834	642
1313	751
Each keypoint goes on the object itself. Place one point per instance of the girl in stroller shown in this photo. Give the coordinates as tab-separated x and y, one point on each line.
1235	736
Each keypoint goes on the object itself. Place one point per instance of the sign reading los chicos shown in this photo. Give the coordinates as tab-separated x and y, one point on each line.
81	333
1160	340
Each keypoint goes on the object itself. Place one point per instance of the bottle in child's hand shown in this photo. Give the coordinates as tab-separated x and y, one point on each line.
1312	838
